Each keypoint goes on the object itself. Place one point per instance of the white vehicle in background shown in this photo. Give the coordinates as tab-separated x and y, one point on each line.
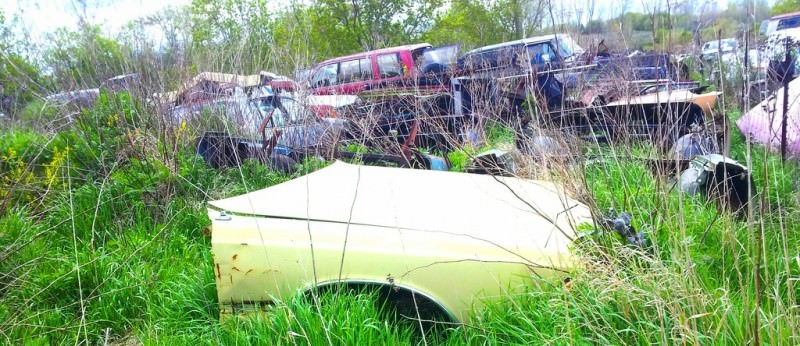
720	56
724	48
777	41
780	23
775	49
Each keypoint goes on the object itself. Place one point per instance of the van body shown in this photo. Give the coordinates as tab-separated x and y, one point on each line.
371	70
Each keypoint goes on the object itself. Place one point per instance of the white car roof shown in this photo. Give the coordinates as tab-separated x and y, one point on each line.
524	41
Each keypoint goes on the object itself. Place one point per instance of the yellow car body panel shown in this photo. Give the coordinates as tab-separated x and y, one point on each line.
452	237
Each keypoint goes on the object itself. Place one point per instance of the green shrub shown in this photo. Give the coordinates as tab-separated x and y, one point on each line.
40	112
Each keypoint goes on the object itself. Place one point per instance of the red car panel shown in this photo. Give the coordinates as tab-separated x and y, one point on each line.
353	74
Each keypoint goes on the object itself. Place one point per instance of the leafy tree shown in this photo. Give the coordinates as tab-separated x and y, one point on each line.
175	24
785	6
230	35
85	58
303	35
20	80
595	26
523	17
380	23
20	83
470	23
5	33
162	62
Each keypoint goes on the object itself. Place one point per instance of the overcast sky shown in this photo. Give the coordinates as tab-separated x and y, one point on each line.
42	16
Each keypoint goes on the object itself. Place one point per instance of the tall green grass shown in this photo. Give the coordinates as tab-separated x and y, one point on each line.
103	242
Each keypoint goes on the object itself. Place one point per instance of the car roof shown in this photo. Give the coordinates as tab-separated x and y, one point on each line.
408	47
723	40
786	15
529	40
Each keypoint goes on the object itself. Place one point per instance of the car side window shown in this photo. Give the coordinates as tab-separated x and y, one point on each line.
482	60
789	23
506	57
541	53
355	71
325	76
389	65
366	68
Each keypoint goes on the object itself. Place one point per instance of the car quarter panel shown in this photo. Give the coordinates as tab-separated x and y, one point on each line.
259	259
451	236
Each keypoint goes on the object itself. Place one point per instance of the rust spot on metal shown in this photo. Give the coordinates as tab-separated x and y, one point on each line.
235	256
248	272
219	273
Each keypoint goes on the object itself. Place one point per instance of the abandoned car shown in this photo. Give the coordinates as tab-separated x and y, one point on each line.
541	53
281	132
276	129
366	226
394	67
542	80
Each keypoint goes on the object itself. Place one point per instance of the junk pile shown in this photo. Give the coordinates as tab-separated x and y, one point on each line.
701	170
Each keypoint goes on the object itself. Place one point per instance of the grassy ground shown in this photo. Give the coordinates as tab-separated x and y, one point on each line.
101	228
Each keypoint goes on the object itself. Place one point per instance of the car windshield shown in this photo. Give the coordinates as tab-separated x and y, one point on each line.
442	56
568	48
728	45
296	113
291	114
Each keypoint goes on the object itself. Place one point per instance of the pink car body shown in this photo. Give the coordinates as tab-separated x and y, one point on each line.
371	70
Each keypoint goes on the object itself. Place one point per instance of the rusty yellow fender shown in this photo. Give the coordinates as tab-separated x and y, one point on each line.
449	237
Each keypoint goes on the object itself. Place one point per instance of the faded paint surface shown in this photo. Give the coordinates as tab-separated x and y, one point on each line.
466	236
762	124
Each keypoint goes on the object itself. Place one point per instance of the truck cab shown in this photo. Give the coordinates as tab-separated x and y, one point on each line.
541	53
